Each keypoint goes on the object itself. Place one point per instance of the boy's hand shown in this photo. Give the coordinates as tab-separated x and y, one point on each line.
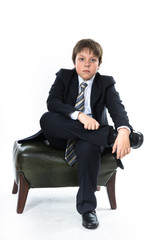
89	123
122	143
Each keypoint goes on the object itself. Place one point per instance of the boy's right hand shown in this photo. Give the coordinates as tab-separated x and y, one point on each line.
88	122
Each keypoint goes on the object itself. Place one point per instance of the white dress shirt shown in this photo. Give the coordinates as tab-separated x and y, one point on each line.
87	103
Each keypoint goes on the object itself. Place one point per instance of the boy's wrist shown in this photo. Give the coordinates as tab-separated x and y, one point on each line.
124	131
124	127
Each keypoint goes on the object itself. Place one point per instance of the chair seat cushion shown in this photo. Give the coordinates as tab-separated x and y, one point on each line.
44	166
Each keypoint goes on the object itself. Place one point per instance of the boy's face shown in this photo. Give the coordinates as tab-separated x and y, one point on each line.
86	64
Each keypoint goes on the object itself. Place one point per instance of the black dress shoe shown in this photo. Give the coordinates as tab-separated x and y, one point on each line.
89	220
136	138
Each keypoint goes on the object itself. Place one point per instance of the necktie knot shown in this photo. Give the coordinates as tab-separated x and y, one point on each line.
83	85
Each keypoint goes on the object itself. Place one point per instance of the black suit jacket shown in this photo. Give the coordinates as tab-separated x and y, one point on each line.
64	91
63	95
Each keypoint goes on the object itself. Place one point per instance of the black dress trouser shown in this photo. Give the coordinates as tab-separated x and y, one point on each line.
58	129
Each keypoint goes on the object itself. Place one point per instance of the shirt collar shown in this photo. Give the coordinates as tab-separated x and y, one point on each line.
89	82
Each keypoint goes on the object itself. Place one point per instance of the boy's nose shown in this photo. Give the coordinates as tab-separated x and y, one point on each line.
87	63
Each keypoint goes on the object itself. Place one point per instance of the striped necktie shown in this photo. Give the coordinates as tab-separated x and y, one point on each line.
70	155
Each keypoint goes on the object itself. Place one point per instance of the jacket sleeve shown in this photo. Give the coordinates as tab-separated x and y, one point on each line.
55	101
116	109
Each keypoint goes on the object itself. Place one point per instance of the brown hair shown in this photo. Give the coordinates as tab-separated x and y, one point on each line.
91	45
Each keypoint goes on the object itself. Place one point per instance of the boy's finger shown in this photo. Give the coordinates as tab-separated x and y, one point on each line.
114	148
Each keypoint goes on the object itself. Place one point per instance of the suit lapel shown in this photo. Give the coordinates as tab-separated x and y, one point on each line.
96	91
74	87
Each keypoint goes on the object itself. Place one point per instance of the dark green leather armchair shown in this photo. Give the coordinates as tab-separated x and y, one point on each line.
37	165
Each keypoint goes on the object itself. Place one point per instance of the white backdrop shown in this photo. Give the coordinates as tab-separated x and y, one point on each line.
37	38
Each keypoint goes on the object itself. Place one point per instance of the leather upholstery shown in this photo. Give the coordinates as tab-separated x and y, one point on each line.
44	166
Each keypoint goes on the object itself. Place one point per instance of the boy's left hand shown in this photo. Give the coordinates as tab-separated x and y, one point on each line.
122	143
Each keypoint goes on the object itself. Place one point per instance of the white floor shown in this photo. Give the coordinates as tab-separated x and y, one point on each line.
51	214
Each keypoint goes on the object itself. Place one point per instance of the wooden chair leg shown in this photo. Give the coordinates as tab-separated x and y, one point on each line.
15	188
23	193
111	191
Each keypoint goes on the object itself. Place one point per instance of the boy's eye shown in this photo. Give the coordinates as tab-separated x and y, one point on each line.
93	60
81	59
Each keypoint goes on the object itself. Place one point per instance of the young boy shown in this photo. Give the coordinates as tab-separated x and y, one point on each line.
76	121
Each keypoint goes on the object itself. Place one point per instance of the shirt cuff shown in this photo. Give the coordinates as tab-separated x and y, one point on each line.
124	127
74	115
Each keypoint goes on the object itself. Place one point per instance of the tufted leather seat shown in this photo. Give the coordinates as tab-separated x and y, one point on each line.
37	165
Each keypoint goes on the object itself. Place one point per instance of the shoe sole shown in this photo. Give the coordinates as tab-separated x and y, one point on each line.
91	227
